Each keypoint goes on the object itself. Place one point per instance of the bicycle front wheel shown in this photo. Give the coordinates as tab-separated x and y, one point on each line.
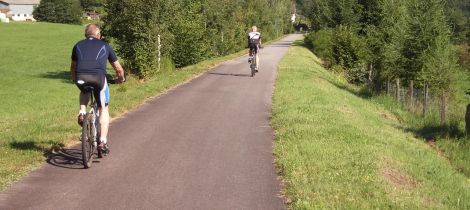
87	142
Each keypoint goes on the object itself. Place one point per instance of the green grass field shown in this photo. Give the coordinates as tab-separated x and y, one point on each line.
336	150
39	104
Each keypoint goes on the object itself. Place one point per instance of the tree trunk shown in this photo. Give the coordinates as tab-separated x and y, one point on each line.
411	94
425	104
467	121
443	108
388	87
397	93
369	81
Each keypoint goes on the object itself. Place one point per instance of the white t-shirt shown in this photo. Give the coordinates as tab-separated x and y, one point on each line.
254	35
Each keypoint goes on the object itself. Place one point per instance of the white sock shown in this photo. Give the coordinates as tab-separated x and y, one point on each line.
82	112
104	140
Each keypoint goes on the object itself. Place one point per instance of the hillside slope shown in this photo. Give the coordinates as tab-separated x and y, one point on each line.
338	150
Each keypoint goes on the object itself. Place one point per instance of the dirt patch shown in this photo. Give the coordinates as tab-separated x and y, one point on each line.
344	109
399	179
389	116
320	80
431	203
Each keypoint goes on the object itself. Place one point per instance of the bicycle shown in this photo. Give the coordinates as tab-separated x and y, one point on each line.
253	63
91	131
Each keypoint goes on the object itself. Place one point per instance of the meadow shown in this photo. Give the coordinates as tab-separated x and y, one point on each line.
338	150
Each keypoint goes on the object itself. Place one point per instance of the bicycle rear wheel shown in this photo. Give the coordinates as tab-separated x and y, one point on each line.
253	66
87	141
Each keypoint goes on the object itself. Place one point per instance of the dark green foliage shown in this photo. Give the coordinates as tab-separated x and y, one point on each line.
191	30
90	5
322	43
331	13
192	46
396	37
349	50
376	41
59	11
135	26
458	12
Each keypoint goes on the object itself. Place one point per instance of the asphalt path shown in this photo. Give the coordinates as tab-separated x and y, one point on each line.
207	144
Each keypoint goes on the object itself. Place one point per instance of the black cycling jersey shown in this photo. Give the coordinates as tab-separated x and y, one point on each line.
91	56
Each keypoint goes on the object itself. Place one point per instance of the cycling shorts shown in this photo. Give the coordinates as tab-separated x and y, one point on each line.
99	84
254	48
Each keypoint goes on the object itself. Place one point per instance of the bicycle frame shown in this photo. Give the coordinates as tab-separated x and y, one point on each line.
90	132
95	122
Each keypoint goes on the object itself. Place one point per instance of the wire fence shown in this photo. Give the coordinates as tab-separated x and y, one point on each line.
419	100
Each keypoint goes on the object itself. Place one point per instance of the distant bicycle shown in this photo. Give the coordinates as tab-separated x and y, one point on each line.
252	61
91	131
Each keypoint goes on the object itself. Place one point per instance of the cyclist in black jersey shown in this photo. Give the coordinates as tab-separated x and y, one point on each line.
88	68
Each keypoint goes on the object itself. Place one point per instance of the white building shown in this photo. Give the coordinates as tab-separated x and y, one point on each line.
19	10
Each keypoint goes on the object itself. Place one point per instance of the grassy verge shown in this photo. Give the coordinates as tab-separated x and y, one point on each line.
338	150
449	141
39	103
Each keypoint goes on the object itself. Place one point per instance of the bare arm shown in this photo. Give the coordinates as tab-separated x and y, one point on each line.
119	70
73	70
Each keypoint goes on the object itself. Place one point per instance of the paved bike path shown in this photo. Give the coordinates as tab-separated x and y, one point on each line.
204	145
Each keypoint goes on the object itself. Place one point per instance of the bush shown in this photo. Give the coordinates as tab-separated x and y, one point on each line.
351	52
321	42
59	11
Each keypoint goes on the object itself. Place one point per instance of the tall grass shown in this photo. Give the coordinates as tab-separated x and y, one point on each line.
338	150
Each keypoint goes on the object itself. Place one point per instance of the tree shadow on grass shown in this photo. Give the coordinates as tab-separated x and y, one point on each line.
25	145
430	132
62	75
362	92
30	145
433	132
299	43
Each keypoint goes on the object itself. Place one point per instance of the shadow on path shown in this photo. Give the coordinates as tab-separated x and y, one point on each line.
230	74
67	158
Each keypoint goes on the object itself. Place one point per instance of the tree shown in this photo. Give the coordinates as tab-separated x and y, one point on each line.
393	29
91	5
59	11
439	70
191	30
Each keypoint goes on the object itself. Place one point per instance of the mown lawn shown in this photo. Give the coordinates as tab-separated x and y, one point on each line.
337	150
38	103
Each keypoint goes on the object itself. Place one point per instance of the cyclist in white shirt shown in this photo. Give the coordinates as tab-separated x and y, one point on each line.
254	43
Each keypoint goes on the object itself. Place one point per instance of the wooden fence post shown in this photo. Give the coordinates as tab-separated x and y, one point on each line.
159	52
397	93
388	87
425	104
443	108
467	121
411	94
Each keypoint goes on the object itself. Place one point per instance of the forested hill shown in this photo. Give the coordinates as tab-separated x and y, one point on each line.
190	30
413	53
462	5
401	46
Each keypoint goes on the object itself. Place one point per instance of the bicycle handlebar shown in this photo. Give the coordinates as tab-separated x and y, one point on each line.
116	81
